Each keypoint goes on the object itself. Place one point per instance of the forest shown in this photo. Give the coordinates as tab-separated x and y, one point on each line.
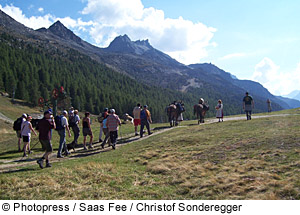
32	72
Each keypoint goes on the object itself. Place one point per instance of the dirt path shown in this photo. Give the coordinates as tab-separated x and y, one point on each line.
15	164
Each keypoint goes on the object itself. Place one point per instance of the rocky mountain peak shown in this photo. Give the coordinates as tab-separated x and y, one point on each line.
60	30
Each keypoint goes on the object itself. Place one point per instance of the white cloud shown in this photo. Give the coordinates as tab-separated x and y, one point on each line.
234	55
181	39
34	22
276	81
41	10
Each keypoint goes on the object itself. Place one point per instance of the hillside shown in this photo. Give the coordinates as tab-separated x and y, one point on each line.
236	159
155	77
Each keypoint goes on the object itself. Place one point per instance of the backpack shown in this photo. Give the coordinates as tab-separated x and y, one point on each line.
143	114
72	121
58	123
17	124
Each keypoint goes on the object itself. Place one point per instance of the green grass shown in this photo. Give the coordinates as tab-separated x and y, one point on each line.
256	159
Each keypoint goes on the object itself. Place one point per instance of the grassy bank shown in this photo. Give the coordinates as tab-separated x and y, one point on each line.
256	159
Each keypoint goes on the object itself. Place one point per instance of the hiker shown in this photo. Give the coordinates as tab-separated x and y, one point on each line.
61	126
137	120
17	127
100	120
248	105
26	134
87	130
113	123
145	120
45	126
219	109
74	121
105	131
269	105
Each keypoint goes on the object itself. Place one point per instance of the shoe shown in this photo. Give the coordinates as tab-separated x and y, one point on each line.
60	156
29	152
48	165
100	141
102	145
141	136
84	148
150	133
136	134
91	147
67	153
24	155
40	163
113	146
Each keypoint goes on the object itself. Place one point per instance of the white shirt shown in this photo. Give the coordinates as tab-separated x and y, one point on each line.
64	122
25	129
137	112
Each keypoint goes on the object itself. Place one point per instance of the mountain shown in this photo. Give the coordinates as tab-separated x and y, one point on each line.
148	66
293	103
294	95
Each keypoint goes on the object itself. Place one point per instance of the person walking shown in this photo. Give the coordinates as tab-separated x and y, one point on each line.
17	127
113	123
26	134
269	105
100	120
87	130
145	120
74	121
45	126
219	109
136	117
248	105
61	129
106	132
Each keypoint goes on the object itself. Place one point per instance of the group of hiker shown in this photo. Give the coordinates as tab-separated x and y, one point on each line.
70	120
109	126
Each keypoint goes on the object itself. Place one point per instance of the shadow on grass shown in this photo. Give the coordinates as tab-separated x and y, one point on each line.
18	170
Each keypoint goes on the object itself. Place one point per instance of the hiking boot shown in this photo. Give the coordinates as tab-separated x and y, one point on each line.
91	147
150	133
113	146
67	153
136	134
48	165
102	145
60	156
84	148
25	155
40	163
100	141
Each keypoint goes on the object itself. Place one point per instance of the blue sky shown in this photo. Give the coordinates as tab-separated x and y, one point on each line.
256	40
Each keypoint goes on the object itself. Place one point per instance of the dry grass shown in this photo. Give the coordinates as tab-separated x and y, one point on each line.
258	159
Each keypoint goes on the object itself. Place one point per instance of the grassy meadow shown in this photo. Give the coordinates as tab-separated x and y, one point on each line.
237	159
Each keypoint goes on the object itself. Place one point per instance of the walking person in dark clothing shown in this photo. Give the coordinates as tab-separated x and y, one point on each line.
87	130
145	120
45	126
248	105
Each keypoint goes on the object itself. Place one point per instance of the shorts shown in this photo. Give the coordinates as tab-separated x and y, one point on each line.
87	131
26	139
19	134
46	145
137	122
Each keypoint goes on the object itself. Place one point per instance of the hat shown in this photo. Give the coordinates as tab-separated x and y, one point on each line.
64	112
145	106
24	115
76	111
105	109
112	110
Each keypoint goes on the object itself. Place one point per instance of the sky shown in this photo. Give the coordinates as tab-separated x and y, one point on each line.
255	40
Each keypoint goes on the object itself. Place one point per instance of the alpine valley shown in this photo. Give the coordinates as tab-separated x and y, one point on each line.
33	62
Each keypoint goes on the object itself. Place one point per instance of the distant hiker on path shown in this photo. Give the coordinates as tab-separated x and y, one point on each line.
269	105
17	127
61	126
74	121
100	120
248	105
219	109
26	134
113	123
106	131
137	118
87	130
45	126
145	120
